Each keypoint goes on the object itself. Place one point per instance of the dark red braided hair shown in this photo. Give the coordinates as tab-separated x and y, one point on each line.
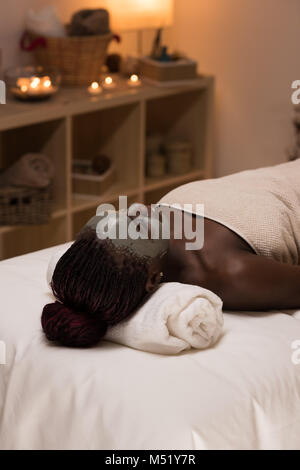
95	288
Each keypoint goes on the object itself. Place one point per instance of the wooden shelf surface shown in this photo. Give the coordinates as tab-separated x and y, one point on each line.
157	183
82	201
76	100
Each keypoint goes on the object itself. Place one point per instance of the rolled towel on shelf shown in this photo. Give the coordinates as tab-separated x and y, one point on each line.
32	170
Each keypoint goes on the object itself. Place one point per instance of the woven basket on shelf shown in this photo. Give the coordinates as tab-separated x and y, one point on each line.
24	205
79	58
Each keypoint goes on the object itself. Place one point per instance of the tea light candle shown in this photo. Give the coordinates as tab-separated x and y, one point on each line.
134	81
108	83
94	89
34	87
47	83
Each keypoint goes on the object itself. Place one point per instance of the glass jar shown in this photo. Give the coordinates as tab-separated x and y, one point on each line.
156	165
179	157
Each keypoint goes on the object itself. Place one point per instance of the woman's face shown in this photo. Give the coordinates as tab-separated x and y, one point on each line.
138	230
135	234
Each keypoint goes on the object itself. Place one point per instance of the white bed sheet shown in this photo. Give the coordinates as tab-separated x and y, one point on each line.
242	394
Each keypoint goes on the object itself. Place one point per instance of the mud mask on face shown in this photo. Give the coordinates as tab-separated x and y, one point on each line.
141	236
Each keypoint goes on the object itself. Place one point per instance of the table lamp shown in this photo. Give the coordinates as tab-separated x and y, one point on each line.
138	15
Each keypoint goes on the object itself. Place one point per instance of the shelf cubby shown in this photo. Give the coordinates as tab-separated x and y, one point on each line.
48	138
113	132
181	117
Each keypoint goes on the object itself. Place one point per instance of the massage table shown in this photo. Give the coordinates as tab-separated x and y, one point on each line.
244	393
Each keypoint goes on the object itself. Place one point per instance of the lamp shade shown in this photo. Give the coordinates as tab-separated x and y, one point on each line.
130	15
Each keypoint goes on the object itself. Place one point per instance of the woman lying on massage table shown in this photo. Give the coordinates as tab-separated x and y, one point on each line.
250	256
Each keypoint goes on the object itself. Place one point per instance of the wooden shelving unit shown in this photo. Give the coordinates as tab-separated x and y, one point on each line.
75	125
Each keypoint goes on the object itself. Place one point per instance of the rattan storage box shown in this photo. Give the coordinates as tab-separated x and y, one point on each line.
91	184
25	205
182	69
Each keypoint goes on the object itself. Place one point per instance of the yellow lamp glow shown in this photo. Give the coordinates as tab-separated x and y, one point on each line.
128	15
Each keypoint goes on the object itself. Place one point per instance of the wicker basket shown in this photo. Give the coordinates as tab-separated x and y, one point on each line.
25	205
79	58
91	184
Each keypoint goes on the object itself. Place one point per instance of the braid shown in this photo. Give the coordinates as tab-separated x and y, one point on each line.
94	284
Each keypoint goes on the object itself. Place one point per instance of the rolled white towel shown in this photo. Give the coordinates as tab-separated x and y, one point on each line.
174	318
32	170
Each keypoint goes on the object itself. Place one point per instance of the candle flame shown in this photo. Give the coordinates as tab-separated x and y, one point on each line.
134	78
35	82
108	80
95	85
47	83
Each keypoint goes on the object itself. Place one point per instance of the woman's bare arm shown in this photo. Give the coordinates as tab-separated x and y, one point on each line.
246	281
229	267
251	282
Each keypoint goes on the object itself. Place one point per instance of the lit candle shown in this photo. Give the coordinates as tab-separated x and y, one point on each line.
23	84
108	83
35	83
94	89
34	87
47	82
134	81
